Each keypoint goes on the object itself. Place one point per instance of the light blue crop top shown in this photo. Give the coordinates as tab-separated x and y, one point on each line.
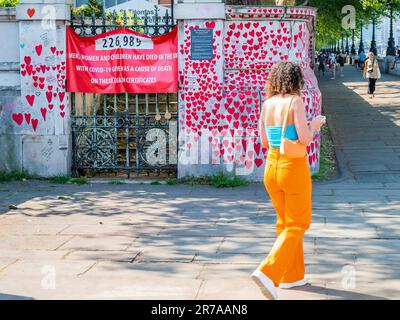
274	134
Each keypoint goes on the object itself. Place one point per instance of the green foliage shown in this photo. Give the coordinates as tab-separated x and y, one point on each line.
329	16
79	181
221	180
171	182
382	7
327	165
14	176
64	198
8	3
90	8
224	181
61	179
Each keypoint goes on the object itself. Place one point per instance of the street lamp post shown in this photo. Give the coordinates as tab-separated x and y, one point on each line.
342	47
391	50
353	47
361	46
373	42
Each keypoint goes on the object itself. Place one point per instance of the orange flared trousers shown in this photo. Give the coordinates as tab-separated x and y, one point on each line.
288	182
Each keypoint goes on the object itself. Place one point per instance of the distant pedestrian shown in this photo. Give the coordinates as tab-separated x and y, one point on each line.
341	60
321	64
361	61
396	61
372	73
332	64
356	58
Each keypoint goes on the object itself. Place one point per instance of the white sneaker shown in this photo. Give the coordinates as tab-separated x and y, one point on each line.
289	285
265	284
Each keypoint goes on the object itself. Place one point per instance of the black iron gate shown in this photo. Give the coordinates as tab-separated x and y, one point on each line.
114	134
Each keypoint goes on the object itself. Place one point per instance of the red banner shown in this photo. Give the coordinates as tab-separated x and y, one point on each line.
122	61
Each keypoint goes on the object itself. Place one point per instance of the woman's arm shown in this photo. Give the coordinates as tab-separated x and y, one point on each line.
305	132
365	68
261	129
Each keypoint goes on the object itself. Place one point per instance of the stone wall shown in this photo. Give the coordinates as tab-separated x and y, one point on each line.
10	91
35	121
220	99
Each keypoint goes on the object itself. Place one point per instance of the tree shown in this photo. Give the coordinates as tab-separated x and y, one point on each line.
329	18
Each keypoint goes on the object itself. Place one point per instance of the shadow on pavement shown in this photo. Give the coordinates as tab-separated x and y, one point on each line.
365	131
335	293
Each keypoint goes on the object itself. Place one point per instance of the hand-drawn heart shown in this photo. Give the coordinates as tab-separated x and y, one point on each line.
34	123
27	118
210	24
53	49
18	118
61	96
30	12
38	49
43	111
259	162
49	96
27	60
29	69
30	98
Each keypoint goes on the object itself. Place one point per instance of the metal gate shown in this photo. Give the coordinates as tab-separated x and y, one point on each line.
112	134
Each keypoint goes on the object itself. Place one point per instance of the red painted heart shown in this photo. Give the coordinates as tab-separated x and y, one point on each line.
27	60
27	118
30	12
30	99
34	124
38	49
18	118
43	111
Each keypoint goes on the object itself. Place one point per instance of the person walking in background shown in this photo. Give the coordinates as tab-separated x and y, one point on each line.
372	73
361	61
332	64
287	177
321	64
356	58
341	60
396	61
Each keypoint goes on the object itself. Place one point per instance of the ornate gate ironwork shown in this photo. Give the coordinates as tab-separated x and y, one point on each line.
113	133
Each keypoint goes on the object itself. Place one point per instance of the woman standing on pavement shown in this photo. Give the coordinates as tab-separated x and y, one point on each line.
372	73
285	132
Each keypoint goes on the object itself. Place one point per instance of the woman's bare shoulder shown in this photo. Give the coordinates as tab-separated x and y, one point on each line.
297	101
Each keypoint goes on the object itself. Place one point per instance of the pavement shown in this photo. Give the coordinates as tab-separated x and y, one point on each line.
141	241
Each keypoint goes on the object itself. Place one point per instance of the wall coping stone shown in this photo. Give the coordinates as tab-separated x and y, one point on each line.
7	14
9	66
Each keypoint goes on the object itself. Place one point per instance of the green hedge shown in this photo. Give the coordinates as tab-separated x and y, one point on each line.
8	3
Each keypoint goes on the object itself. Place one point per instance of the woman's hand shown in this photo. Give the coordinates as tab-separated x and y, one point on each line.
316	124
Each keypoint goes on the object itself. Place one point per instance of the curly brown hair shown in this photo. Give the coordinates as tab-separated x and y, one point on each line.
285	78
